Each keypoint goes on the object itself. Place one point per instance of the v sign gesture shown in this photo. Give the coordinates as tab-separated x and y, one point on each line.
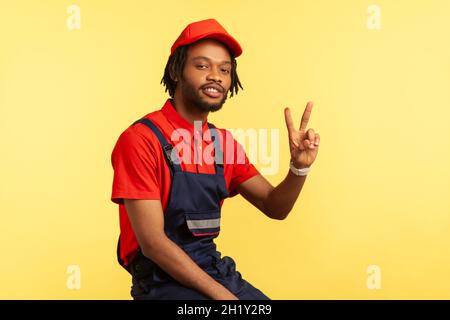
303	144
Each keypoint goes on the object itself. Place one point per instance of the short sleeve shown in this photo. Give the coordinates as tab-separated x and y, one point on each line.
135	168
243	169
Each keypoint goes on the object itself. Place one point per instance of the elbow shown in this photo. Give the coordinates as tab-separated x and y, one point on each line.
276	209
148	251
279	214
151	247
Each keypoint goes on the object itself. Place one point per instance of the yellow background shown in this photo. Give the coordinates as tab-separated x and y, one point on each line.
379	190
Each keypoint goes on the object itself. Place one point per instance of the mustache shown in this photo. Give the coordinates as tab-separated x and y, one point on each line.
216	86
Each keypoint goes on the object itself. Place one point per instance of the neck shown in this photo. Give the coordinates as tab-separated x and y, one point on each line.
189	112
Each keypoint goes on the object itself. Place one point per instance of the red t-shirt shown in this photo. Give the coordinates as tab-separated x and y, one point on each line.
141	171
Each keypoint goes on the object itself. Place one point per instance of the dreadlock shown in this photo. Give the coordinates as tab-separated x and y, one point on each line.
175	66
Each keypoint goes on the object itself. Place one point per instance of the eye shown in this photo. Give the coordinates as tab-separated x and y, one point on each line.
201	66
226	71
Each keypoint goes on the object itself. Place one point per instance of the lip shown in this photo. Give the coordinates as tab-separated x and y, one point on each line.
215	86
213	95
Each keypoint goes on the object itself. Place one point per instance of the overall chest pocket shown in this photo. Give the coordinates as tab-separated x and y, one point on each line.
204	223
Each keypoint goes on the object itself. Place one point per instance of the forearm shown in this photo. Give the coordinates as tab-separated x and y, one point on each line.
281	199
173	260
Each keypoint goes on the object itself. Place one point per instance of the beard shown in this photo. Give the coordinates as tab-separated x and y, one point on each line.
193	98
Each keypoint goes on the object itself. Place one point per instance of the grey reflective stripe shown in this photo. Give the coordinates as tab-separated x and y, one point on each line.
203	224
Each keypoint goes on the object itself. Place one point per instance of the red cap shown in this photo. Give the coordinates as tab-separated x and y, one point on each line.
210	29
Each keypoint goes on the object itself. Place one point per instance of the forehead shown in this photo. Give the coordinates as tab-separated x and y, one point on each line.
209	48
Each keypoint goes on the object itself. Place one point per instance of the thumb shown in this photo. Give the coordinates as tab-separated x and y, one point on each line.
306	143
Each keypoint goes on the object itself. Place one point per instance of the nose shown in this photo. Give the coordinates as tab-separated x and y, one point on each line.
214	75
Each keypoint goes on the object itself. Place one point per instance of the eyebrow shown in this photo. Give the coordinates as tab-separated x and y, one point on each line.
206	58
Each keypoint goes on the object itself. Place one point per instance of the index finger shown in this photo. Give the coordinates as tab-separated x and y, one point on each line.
288	119
306	115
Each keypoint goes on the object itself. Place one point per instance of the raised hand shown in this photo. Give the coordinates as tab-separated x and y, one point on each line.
303	144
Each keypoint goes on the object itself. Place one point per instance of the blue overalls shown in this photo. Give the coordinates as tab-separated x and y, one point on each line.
192	221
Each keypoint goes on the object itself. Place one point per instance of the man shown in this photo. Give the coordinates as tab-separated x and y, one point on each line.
170	192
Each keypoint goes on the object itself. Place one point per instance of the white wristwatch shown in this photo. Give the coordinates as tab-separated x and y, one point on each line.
299	172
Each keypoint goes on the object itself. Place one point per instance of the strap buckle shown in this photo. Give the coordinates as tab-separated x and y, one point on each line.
168	148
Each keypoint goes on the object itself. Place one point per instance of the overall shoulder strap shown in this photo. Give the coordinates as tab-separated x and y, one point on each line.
218	154
171	157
